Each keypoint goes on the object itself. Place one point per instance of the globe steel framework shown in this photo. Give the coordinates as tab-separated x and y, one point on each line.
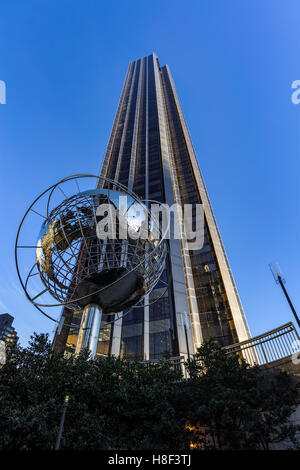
154	259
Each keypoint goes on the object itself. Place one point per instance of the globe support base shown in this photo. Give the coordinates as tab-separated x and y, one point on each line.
89	329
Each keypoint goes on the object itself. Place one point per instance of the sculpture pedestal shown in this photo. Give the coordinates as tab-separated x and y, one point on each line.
89	329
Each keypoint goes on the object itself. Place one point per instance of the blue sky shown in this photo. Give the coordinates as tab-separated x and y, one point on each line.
233	63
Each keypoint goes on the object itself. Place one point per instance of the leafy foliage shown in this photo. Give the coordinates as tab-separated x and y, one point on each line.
117	405
238	406
113	404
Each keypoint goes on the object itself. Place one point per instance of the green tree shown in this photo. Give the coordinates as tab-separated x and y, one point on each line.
119	405
113	404
236	406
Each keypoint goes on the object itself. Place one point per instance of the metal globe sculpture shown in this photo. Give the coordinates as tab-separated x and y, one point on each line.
98	251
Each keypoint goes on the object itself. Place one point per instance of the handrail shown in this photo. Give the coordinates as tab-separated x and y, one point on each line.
270	346
275	330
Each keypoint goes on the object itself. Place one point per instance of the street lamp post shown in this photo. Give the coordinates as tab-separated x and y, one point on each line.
62	420
275	269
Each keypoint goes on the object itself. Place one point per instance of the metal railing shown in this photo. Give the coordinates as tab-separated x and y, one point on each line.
268	347
263	349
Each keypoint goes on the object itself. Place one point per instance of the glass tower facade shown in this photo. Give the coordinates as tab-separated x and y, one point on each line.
150	152
7	331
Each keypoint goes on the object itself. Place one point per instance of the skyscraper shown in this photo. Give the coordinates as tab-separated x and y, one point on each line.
150	152
7	331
